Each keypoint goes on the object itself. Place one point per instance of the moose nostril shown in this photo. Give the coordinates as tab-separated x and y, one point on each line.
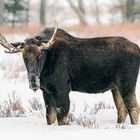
35	89
34	82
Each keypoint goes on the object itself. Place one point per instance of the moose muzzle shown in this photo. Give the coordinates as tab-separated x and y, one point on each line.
34	81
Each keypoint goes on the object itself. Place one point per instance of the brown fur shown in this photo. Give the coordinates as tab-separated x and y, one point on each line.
121	108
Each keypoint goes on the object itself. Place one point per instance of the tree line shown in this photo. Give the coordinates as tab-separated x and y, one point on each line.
129	10
17	11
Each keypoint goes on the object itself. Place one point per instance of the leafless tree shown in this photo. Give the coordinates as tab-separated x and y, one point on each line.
1	11
95	10
42	11
79	10
117	7
129	9
81	6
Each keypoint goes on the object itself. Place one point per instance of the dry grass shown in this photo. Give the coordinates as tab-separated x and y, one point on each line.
36	108
12	107
88	116
30	28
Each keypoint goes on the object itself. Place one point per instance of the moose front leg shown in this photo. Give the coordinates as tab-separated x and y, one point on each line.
62	112
51	113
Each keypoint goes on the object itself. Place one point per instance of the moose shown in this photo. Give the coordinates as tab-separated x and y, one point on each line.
58	63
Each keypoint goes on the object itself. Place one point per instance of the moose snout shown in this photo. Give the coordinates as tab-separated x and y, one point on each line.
34	82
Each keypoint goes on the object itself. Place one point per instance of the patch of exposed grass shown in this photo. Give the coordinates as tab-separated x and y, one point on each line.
88	116
12	107
36	108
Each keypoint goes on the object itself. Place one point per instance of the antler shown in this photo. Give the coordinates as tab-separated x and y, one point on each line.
51	41
7	45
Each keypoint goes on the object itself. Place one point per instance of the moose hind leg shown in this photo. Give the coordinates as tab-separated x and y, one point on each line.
126	81
127	90
132	106
121	108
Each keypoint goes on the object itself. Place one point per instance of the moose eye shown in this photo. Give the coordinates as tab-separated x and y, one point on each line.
25	58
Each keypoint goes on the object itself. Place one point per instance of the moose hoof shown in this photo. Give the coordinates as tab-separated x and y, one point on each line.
63	121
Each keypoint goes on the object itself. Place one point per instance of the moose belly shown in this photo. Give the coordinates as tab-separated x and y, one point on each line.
92	86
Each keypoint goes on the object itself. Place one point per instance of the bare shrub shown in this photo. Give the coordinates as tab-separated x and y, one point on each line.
12	107
85	119
71	116
101	105
36	108
88	116
89	122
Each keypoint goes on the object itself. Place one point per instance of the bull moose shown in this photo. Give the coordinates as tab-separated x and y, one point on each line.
58	63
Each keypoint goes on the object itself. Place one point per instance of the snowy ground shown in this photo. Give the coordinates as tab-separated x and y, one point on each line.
34	127
29	128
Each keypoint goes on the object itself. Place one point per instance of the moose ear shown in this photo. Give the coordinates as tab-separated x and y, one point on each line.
39	40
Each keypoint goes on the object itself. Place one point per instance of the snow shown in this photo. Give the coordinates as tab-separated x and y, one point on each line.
34	127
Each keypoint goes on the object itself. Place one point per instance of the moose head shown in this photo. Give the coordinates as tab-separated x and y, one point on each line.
33	54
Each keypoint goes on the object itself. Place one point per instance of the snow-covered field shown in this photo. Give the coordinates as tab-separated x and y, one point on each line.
101	121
